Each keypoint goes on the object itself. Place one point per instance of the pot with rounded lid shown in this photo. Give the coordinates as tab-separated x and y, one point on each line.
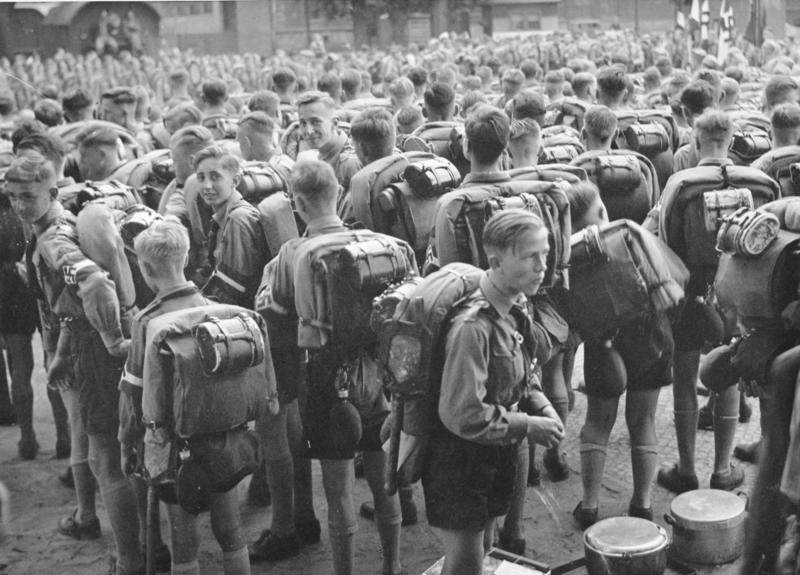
625	546
707	526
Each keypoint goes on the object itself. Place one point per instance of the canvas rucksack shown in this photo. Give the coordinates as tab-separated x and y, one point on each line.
336	277
748	145
444	139
112	193
560	145
777	165
627	181
565	112
397	195
261	179
652	133
692	208
279	220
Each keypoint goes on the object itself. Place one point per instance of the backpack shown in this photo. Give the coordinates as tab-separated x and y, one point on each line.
693	205
627	181
787	210
463	213
565	112
149	174
441	139
550	173
279	220
69	134
561	153
262	179
106	236
288	115
746	121
777	165
112	193
410	320
619	273
637	131
221	126
336	277
397	195
749	145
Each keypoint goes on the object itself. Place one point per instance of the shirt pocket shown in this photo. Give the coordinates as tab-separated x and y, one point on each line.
506	371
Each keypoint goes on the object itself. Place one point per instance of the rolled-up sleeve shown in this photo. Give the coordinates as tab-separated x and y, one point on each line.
461	402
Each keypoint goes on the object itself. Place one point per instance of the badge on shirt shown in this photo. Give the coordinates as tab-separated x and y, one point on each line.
70	275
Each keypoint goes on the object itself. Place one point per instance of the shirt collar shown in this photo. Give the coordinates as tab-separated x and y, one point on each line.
323	222
55	211
221	216
178	290
715	162
486	177
499	300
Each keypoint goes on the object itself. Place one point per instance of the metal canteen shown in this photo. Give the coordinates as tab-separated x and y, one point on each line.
625	546
707	526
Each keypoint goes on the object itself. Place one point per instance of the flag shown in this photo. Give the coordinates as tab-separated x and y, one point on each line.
758	18
705	19
680	20
694	16
726	24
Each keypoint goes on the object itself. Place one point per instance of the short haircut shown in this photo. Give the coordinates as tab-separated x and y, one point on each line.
265	101
284	78
179	76
714	126
471	83
401	88
98	137
185	112
228	161
409	116
164	240
525	127
214	92
729	86
513	75
503	230
485	73
530	69
554	76
664	66
418	76
259	121
778	90
74	101
734	72
315	96
32	167
330	84
374	128
120	95
196	136
6	105
697	97
439	97
712	77
528	104
351	81
612	80
652	76
600	122
581	196
487	130
471	98
48	145
24	130
581	82
446	75
314	181
786	117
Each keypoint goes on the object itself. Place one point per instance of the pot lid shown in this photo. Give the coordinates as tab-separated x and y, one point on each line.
707	508
625	535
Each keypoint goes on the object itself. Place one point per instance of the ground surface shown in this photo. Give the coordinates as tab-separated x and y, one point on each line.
39	500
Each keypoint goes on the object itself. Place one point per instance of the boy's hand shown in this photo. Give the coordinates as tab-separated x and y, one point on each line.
545	431
121	349
59	374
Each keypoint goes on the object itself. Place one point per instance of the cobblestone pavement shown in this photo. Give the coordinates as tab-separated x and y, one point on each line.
32	546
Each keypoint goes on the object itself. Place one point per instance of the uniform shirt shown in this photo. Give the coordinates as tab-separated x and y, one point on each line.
183	296
484	370
240	253
685	158
73	286
339	153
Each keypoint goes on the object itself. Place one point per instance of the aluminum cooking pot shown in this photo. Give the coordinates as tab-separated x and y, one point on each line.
625	546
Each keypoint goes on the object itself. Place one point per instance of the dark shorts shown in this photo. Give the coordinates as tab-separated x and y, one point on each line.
646	348
289	371
97	374
316	401
696	324
467	484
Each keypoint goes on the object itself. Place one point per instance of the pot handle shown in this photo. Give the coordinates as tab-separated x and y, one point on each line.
746	498
670	519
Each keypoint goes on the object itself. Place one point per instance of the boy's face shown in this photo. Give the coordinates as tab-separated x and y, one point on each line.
521	269
217	182
30	200
316	124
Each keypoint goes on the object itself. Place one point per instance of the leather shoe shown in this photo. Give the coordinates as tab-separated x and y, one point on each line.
705	419
555	462
727	481
271	547
71	527
748	452
534	476
512	545
745	411
28	449
585	517
671	479
640	512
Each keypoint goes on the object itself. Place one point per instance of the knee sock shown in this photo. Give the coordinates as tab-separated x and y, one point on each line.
59	416
644	462
280	478
342	546
593	462
84	491
191	568
513	527
686	433
120	502
140	490
236	562
406	495
726	418
389	532
562	409
303	493
23	408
